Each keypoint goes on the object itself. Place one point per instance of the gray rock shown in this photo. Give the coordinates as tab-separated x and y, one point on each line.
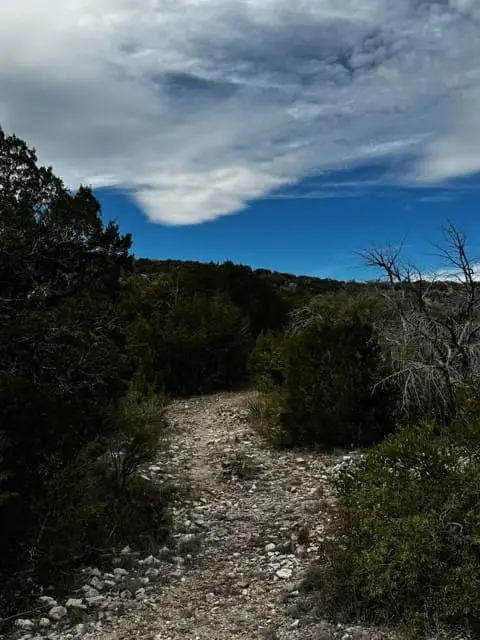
24	624
57	613
155	469
178	573
80	629
44	623
95	601
284	573
75	603
109	583
89	591
48	601
188	543
97	583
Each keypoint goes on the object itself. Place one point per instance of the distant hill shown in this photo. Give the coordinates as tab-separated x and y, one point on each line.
293	289
290	285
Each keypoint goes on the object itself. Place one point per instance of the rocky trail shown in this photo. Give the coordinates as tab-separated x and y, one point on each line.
245	530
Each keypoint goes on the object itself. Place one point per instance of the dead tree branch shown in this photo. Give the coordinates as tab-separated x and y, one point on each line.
434	339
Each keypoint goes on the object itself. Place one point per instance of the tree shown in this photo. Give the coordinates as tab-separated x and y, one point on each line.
433	340
61	362
327	369
181	342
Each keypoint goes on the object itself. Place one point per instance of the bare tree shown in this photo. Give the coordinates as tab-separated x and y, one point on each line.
433	339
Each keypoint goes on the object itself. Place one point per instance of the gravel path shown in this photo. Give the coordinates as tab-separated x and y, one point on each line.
256	532
243	539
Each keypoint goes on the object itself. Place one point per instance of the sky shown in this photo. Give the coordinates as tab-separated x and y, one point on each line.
282	135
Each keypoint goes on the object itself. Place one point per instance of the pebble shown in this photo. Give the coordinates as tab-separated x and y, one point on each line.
284	573
97	583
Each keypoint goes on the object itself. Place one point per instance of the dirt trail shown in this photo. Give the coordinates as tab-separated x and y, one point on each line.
243	538
256	534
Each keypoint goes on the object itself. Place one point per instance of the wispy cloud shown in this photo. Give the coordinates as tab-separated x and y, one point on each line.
199	106
452	275
441	197
320	194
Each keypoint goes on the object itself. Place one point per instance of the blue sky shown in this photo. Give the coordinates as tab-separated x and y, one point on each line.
276	133
316	227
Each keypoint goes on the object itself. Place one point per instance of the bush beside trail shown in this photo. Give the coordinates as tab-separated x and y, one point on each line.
405	535
326	378
64	381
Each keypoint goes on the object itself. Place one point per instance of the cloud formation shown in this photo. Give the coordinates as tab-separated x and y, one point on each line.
199	106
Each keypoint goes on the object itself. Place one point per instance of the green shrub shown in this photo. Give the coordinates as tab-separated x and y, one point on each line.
141	425
184	343
264	416
266	363
332	392
62	364
404	542
100	502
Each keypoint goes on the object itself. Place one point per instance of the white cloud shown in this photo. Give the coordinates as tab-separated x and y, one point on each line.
198	106
452	275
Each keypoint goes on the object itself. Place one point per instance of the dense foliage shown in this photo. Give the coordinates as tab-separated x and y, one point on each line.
64	372
293	289
184	342
191	327
405	534
326	375
266	364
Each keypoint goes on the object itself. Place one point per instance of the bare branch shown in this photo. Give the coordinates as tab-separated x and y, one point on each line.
434	341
